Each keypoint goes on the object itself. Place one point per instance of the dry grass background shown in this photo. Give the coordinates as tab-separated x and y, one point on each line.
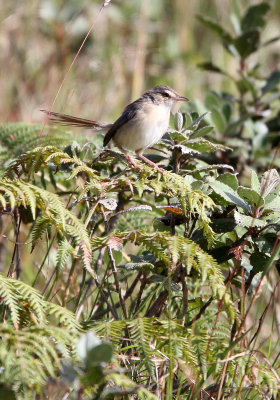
135	45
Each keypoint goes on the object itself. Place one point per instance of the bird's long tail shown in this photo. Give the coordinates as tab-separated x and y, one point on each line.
69	120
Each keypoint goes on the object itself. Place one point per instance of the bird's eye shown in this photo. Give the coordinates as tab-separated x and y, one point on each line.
165	94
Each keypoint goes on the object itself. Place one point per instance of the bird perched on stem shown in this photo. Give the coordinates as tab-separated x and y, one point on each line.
141	125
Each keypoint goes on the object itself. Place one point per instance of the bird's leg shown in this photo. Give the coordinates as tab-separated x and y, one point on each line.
129	158
149	162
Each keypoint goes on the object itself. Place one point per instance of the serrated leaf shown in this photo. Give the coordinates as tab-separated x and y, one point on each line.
273	203
227	193
109	204
138	265
272	217
270	180
184	149
247	43
250	195
178	121
255	17
177	136
202	132
134	208
228	179
255	183
248	221
197	121
214	166
204	146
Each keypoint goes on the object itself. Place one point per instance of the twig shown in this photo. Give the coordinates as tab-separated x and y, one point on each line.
117	283
105	3
126	296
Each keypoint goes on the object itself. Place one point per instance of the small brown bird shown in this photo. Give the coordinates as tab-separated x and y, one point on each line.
141	125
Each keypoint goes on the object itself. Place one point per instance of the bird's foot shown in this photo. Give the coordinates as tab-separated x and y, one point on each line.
151	163
131	161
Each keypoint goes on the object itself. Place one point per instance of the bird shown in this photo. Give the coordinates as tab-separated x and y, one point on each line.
141	124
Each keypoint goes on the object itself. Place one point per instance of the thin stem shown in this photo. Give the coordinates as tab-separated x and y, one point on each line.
117	283
44	260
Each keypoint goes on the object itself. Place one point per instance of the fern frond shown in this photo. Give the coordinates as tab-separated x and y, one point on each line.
54	209
17	138
31	356
10	297
40	227
140	329
64	251
26	303
63	316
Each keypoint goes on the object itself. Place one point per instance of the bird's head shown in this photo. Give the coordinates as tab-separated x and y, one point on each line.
164	95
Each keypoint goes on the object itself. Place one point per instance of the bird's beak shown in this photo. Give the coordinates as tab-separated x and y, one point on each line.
182	98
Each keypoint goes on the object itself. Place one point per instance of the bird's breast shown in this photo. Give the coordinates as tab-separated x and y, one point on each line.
145	129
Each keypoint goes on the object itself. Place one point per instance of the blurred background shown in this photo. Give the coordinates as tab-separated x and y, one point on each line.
136	44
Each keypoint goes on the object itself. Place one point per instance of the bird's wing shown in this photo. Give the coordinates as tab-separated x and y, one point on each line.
65	119
129	112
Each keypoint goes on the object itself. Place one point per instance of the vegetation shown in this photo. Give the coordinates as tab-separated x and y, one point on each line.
121	282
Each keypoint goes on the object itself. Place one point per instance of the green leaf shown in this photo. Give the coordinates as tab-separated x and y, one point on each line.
197	120
255	183
179	121
272	203
266	242
202	132
159	278
177	136
269	182
109	204
95	375
218	29
248	85
209	66
218	120
87	342
203	145
273	82
251	195
234	127
223	225
229	195
229	179
140	265
102	353
255	17
258	260
184	149
213	100
247	43
248	221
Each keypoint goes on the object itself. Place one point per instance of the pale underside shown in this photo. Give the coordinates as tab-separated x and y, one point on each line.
145	129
